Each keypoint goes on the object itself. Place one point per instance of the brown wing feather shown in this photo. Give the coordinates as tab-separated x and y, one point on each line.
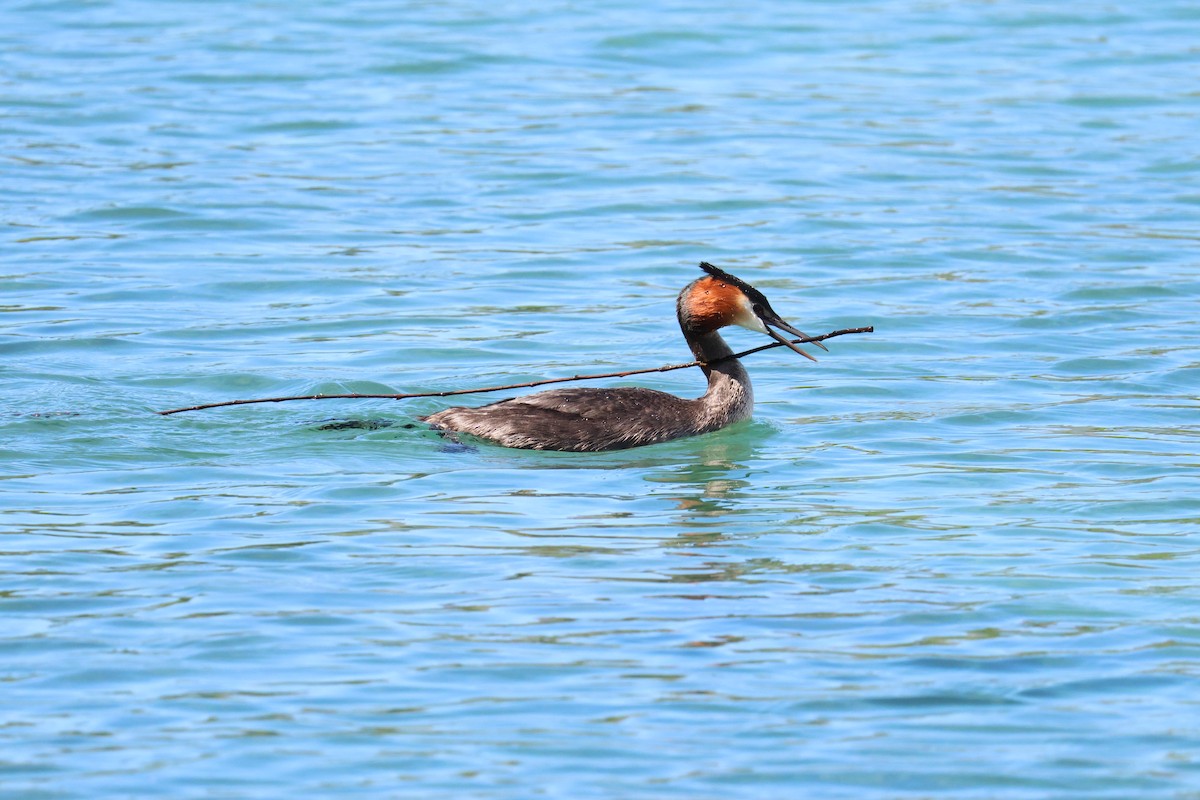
575	419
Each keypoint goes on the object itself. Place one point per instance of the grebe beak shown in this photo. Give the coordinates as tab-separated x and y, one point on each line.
771	319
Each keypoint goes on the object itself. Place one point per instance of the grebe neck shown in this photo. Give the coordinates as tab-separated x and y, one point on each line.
730	396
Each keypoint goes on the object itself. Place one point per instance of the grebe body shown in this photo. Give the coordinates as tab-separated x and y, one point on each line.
587	419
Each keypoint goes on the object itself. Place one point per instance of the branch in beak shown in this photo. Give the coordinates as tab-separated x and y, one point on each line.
778	323
787	343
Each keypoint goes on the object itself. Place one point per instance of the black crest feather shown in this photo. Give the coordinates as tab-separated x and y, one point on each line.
754	294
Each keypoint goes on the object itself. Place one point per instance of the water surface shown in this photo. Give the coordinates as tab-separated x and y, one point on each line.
956	558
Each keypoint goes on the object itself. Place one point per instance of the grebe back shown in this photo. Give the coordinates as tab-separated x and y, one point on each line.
586	419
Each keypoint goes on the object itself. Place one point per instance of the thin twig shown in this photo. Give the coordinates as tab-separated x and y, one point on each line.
530	384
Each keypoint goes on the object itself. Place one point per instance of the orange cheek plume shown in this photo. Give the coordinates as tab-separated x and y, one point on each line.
712	304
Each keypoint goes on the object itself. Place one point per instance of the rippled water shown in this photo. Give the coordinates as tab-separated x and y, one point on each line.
956	558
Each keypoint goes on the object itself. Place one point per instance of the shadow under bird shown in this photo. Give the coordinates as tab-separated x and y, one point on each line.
588	420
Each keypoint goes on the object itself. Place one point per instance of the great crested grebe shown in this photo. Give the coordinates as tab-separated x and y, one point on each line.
584	420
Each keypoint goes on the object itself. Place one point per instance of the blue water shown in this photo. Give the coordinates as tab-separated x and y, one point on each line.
957	558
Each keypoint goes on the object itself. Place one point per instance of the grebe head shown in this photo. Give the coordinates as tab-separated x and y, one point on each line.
719	299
